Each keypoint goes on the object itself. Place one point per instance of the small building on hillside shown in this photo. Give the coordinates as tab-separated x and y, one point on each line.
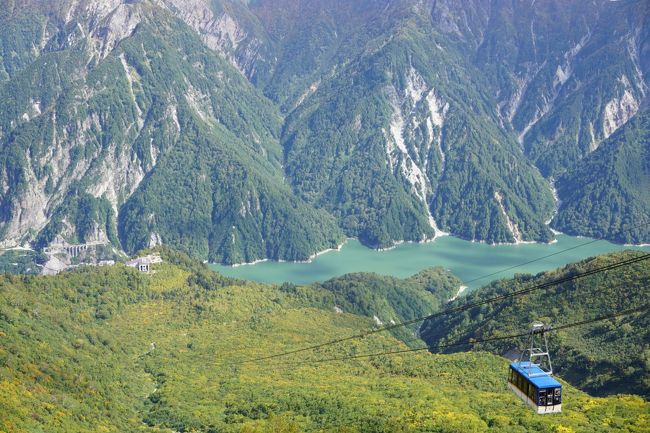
143	264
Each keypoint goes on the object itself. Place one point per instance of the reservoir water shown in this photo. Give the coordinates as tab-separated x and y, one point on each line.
467	260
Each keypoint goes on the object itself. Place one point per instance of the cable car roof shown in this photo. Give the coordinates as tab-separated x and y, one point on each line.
541	381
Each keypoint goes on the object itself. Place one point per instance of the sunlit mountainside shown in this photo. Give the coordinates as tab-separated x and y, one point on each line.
112	349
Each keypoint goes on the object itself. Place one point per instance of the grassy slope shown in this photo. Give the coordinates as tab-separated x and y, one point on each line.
110	350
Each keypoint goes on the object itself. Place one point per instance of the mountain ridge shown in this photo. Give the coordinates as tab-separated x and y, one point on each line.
401	122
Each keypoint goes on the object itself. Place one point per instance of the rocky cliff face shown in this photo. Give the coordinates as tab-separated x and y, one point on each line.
607	193
229	28
56	117
566	76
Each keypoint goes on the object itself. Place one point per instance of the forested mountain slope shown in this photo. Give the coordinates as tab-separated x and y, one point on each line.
240	131
567	74
127	129
397	148
607	194
602	358
109	349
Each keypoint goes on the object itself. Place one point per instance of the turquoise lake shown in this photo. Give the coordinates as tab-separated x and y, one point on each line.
467	260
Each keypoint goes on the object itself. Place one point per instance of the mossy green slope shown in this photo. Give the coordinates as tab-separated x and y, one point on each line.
112	350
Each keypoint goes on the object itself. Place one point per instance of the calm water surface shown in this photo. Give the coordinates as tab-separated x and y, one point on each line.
467	260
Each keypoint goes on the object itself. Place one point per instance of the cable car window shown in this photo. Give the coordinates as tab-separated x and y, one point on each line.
557	397
541	400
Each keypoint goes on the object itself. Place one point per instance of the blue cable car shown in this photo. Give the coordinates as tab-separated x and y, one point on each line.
536	388
533	382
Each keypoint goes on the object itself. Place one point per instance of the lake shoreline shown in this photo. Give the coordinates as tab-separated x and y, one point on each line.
399	243
466	259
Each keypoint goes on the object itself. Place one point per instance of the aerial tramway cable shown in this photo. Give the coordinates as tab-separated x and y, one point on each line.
467	306
470	342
